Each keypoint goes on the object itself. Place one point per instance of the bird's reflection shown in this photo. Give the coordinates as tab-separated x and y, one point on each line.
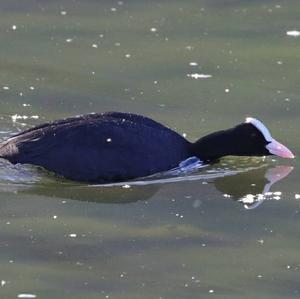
252	187
247	184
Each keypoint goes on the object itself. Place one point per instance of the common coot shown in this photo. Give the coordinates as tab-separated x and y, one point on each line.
115	146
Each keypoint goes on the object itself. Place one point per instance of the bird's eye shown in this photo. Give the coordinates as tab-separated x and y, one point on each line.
253	135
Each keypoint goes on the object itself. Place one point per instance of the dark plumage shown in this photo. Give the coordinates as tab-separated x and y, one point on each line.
116	146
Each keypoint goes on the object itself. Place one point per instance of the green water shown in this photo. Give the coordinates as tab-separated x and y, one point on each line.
183	239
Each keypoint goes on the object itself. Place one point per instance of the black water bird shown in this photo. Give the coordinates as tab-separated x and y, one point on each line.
115	146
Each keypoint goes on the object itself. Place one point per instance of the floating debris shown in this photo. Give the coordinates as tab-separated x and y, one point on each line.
294	33
199	76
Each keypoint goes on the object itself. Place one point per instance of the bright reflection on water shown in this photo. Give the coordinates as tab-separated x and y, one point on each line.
228	230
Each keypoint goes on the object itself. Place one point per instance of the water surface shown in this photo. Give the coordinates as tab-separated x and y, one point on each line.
196	66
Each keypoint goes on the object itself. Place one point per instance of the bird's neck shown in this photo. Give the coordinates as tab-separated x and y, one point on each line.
216	145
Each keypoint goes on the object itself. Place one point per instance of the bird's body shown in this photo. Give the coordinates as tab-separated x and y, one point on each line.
99	147
115	146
